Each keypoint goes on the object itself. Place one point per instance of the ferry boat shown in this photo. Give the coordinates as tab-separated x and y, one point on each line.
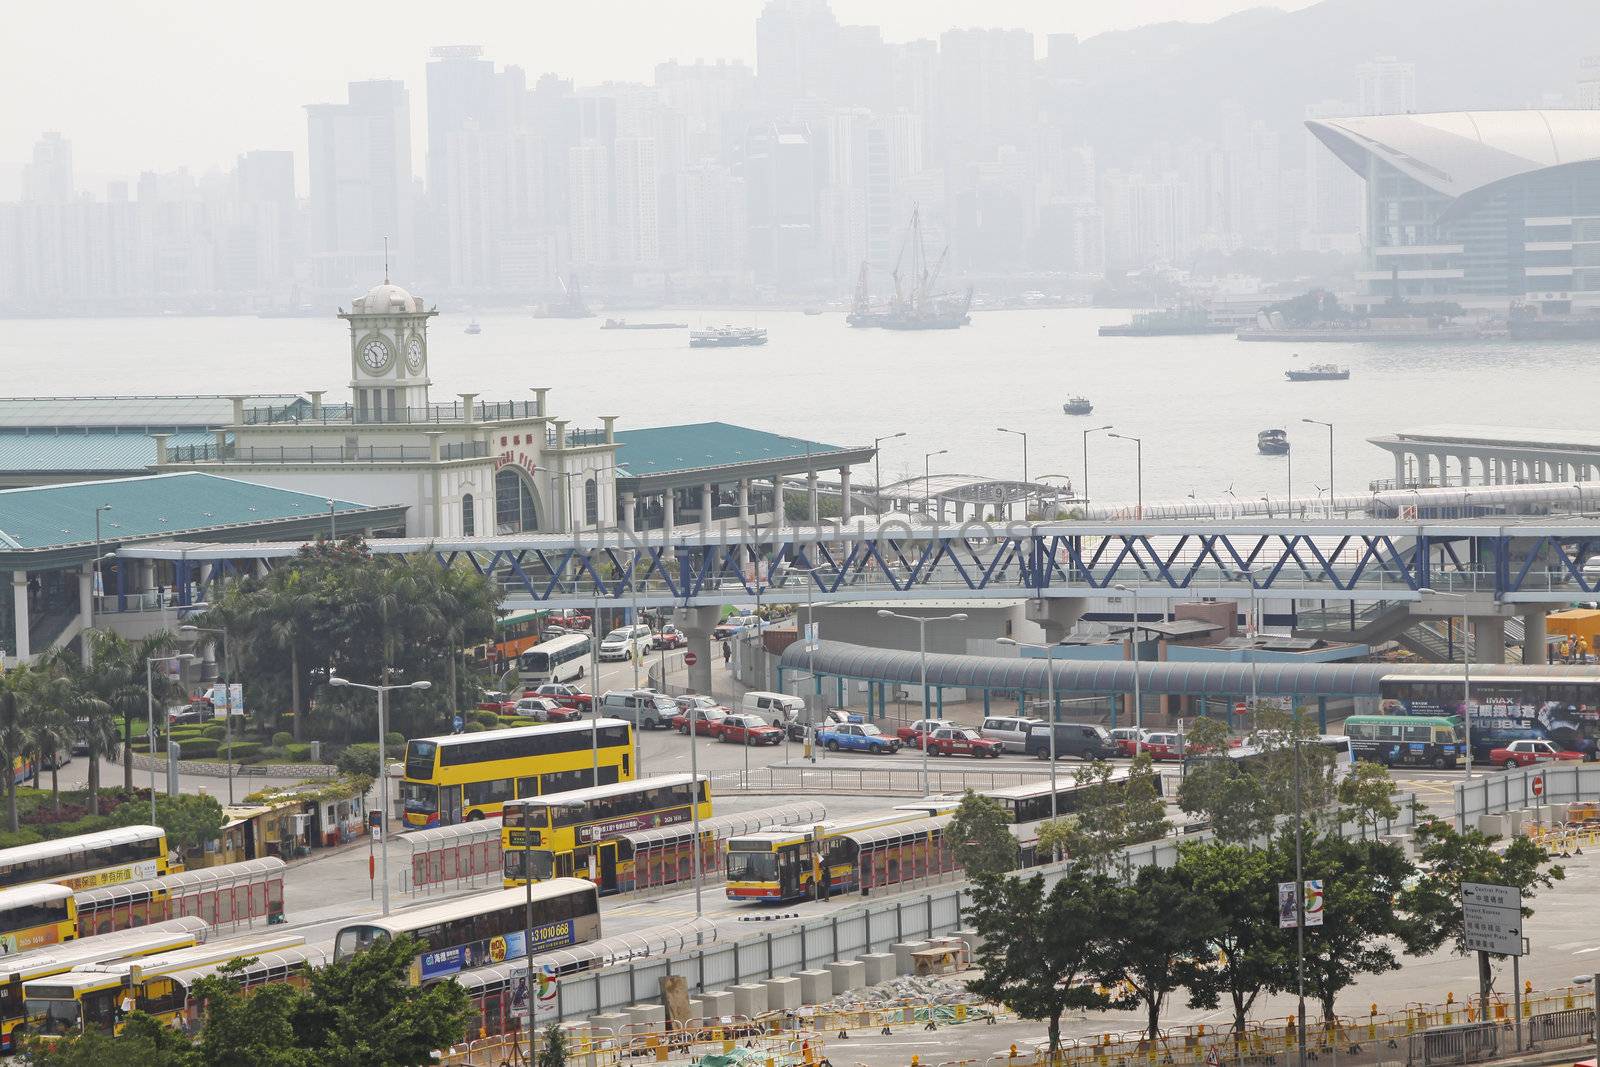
1318	372
1078	405
473	327
1272	443
727	337
624	324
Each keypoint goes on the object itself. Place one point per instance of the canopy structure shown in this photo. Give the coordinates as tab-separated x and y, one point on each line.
655	940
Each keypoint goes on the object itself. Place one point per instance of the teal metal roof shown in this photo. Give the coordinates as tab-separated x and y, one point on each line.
152	414
157	506
85	451
702	446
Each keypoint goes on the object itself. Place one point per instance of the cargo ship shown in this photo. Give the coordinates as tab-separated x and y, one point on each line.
727	337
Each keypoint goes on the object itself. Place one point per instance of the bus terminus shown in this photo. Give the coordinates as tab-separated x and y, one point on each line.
583	832
484	929
463	777
560	659
108	857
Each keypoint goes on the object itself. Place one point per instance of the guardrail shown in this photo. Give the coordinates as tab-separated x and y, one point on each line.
1502	791
881	781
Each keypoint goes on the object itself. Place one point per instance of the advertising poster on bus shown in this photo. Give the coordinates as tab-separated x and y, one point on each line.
1507	710
457	958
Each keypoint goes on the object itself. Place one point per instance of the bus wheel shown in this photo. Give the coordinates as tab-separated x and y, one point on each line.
476	816
1438	763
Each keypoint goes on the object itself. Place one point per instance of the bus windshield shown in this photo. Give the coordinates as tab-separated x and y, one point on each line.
752	866
420	798
53	1016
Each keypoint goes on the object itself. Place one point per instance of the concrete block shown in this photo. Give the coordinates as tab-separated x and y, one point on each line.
1514	821
1492	825
1557	813
717	1004
879	966
647	1016
783	994
902	954
608	1024
847	975
697	1007
749	1000
816	987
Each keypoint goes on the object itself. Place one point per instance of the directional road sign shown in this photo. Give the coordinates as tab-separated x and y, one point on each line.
1492	918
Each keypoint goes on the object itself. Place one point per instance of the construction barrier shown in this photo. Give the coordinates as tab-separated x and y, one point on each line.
714	1045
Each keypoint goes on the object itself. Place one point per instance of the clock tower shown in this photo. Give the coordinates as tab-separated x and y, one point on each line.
388	354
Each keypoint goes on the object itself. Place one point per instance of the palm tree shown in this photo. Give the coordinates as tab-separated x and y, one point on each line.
17	687
91	714
52	730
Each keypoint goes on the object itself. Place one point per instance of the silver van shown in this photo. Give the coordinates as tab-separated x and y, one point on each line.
779	709
645	708
1010	730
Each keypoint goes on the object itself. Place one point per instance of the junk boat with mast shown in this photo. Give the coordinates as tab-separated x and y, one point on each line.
919	307
570	306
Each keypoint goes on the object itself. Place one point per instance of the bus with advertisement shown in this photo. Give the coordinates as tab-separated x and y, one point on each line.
464	777
33	916
583	833
485	929
1505	707
106	857
514	634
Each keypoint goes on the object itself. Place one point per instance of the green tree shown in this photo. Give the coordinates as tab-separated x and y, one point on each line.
17	689
190	820
143	1042
1040	951
1158	935
1224	793
553	1053
1367	794
1361	929
1250	950
1118	809
257	1030
981	838
1447	858
75	691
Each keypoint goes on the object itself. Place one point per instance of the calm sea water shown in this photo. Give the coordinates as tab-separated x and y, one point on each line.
1197	402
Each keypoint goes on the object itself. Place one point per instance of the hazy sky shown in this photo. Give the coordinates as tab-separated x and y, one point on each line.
172	83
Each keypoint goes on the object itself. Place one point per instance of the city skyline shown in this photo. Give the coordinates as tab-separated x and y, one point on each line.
150	64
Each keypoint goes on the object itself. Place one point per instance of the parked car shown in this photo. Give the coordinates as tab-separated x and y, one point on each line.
1163	746
747	730
1527	753
626	642
734	624
1078	740
911	736
645	708
543	709
857	737
1010	730
565	694
572	620
189	713
959	741
669	636
1124	737
551	632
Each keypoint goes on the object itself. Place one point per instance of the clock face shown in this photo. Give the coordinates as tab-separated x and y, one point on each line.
375	354
414	354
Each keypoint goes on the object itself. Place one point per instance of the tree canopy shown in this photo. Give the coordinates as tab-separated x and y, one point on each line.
980	836
337	609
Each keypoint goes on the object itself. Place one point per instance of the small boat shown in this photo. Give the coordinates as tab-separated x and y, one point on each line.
1272	443
727	337
624	324
1077	405
473	327
1318	372
813	311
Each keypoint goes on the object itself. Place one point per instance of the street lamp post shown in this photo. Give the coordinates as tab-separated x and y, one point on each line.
1133	644
1245	574
1027	486
1466	672
150	715
927	479
1329	425
922	658
877	466
1299	903
1050	694
1086	433
1138	461
227	719
383	692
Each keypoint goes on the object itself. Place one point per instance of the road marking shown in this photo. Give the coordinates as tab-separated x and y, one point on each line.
1585	951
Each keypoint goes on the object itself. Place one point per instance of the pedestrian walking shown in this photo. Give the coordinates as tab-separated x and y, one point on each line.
727	653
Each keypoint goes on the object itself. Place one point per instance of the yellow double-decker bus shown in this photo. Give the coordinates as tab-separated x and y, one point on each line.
584	833
98	996
33	916
836	856
108	857
462	777
16	971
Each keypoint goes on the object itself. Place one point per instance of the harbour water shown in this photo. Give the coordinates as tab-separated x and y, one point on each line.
1197	402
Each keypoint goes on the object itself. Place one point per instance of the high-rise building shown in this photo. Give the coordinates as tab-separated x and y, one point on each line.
1386	86
636	212
711	207
1333	192
361	185
589	203
48	179
796	51
463	93
781	181
987	91
705	94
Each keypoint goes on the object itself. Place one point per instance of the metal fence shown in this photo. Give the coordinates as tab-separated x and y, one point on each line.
791	780
1491	794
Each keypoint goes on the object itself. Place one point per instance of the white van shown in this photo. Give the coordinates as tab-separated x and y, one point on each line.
645	708
779	709
1010	730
